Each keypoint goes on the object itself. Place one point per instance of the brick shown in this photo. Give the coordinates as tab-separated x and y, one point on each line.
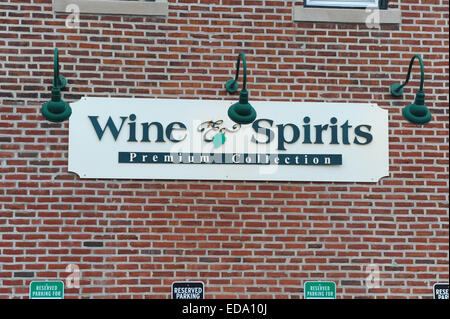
244	239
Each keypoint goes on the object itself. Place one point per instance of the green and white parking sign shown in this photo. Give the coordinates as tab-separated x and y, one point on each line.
320	290
46	290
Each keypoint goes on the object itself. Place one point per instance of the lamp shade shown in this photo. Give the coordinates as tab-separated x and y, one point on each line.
242	112
56	110
417	112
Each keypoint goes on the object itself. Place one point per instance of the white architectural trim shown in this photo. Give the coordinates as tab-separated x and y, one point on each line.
389	16
158	8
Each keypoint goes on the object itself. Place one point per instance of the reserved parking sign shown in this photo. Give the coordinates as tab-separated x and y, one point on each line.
440	291
188	290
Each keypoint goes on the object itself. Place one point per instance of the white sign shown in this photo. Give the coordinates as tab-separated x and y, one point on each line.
125	138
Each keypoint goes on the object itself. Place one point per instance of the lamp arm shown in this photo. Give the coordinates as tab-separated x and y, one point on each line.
422	72
56	79
244	66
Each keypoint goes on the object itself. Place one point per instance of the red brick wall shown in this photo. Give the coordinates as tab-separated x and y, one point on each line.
243	239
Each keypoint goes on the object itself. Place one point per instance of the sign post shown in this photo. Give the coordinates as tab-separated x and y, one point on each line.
46	290
320	290
188	290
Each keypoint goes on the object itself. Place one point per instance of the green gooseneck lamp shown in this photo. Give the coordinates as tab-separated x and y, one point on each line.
416	113
56	110
241	112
